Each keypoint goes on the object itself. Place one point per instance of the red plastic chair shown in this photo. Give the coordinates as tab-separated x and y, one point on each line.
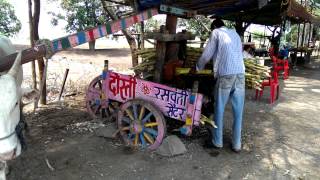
274	87
281	65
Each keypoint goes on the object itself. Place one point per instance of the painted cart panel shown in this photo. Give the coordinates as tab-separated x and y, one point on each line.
174	103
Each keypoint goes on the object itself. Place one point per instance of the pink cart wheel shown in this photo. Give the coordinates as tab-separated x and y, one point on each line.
141	124
98	107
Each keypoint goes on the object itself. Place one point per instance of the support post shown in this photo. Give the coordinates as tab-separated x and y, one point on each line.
43	92
310	33
42	84
161	55
298	37
106	65
172	47
142	35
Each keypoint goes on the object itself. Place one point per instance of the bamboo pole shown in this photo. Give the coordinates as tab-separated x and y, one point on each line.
63	83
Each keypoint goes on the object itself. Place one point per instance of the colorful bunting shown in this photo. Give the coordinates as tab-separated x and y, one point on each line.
108	27
135	19
55	45
100	31
130	20
91	37
123	23
73	39
96	33
65	43
116	26
81	37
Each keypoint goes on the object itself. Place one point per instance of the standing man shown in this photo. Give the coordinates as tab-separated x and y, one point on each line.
224	49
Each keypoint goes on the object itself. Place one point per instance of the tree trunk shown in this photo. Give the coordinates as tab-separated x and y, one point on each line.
131	41
36	17
92	45
33	65
34	36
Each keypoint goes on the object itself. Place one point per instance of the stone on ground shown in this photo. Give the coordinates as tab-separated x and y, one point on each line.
106	131
171	146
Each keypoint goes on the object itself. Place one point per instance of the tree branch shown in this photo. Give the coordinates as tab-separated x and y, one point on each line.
114	17
126	33
117	2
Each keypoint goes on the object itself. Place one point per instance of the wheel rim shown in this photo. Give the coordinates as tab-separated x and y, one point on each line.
96	106
141	125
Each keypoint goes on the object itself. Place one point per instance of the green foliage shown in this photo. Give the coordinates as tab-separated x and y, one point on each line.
152	25
292	36
9	23
229	24
80	14
196	25
314	7
257	34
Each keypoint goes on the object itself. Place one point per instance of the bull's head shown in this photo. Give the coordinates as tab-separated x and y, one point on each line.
10	96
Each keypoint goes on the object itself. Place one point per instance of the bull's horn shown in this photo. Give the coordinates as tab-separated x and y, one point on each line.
16	66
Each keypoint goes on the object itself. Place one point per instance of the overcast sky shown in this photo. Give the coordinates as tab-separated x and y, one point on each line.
46	30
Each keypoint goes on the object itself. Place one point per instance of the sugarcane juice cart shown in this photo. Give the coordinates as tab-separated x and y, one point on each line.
140	106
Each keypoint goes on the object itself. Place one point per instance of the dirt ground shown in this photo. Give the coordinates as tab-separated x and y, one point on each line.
280	141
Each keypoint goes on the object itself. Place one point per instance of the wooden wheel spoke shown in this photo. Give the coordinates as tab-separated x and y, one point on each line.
148	116
92	105
110	108
129	113
152	124
143	141
136	139
135	111
151	131
95	110
100	84
130	136
142	111
130	139
115	105
95	91
148	138
126	128
97	105
126	120
104	112
144	121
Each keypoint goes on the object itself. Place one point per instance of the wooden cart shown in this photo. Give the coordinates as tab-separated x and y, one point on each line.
139	107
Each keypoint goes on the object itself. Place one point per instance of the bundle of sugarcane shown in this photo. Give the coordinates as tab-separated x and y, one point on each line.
255	74
147	53
193	54
148	60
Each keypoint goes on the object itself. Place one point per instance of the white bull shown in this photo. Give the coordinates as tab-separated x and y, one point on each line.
10	97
